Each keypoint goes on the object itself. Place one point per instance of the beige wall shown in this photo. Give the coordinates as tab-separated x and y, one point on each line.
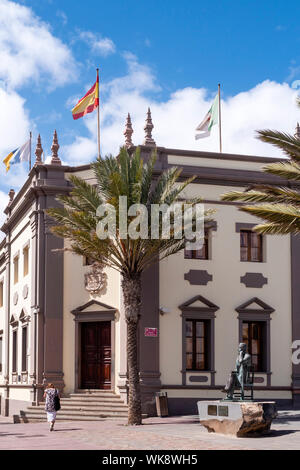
226	291
76	295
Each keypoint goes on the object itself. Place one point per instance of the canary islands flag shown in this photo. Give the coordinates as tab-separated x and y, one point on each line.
88	103
210	119
21	154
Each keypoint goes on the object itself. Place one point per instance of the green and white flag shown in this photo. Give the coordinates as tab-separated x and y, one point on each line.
211	118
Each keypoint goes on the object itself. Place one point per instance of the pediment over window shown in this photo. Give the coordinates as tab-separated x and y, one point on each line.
23	316
199	304
13	321
255	305
93	306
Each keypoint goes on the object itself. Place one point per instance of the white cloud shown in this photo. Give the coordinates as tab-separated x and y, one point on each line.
29	51
83	150
267	105
98	45
13	179
14	121
61	14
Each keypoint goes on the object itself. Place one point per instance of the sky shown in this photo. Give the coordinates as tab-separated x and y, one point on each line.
168	55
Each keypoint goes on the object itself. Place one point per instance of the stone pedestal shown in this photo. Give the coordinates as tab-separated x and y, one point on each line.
238	418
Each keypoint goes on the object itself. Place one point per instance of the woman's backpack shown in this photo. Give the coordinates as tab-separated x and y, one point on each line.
56	401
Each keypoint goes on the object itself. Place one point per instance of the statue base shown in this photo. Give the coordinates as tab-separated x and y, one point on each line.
238	418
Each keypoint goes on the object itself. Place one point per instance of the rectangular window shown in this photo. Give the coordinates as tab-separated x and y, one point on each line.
250	246
1	294
25	261
199	254
196	336
16	270
24	349
1	345
253	336
15	351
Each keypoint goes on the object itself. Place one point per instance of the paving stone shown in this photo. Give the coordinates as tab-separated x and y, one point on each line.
171	433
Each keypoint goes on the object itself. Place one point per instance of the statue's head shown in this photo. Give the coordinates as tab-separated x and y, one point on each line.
243	347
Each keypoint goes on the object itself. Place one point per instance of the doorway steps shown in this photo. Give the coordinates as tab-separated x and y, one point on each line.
84	405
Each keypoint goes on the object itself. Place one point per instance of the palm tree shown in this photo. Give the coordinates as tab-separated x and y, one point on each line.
77	221
278	205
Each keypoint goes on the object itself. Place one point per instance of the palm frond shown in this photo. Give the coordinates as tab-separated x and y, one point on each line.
288	170
282	214
126	175
287	143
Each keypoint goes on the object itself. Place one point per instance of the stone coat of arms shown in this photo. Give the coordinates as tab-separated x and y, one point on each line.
95	281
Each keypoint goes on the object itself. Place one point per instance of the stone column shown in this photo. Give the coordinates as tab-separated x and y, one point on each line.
53	304
5	404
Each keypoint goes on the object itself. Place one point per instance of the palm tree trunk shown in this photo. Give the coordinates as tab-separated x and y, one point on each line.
131	287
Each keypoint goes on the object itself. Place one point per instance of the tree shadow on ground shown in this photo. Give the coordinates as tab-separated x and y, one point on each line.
67	429
272	433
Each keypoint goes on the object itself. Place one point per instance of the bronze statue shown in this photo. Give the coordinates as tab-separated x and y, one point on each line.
241	375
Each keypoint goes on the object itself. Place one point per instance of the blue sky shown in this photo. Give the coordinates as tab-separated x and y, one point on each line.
169	55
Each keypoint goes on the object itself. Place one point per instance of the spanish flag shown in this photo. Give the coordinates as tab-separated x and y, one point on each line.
89	102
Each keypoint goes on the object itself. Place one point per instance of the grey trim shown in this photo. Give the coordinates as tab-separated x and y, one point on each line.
13	322
209	306
279	388
198	378
254	280
244	226
93	302
223	203
4	407
2	258
259	380
295	305
198	277
224	176
199	313
265	308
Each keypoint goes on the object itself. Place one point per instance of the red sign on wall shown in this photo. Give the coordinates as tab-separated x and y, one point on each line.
151	332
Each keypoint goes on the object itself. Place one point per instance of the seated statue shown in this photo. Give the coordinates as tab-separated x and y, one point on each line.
241	375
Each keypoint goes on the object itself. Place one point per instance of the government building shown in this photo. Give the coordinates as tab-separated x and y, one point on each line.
62	318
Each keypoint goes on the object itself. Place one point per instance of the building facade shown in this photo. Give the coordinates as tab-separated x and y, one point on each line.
62	319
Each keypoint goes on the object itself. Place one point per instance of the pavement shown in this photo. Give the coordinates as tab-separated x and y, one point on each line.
172	433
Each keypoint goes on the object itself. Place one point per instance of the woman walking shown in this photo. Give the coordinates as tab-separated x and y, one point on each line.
52	397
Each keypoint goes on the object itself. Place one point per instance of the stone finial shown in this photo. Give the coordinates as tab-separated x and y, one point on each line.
128	132
38	151
11	195
148	130
297	133
55	160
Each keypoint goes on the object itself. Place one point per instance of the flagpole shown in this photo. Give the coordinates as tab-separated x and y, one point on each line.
30	136
220	127
98	115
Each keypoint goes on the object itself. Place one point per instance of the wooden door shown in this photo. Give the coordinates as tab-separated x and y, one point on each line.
96	355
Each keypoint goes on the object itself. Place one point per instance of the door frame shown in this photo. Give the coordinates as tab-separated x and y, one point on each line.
87	317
